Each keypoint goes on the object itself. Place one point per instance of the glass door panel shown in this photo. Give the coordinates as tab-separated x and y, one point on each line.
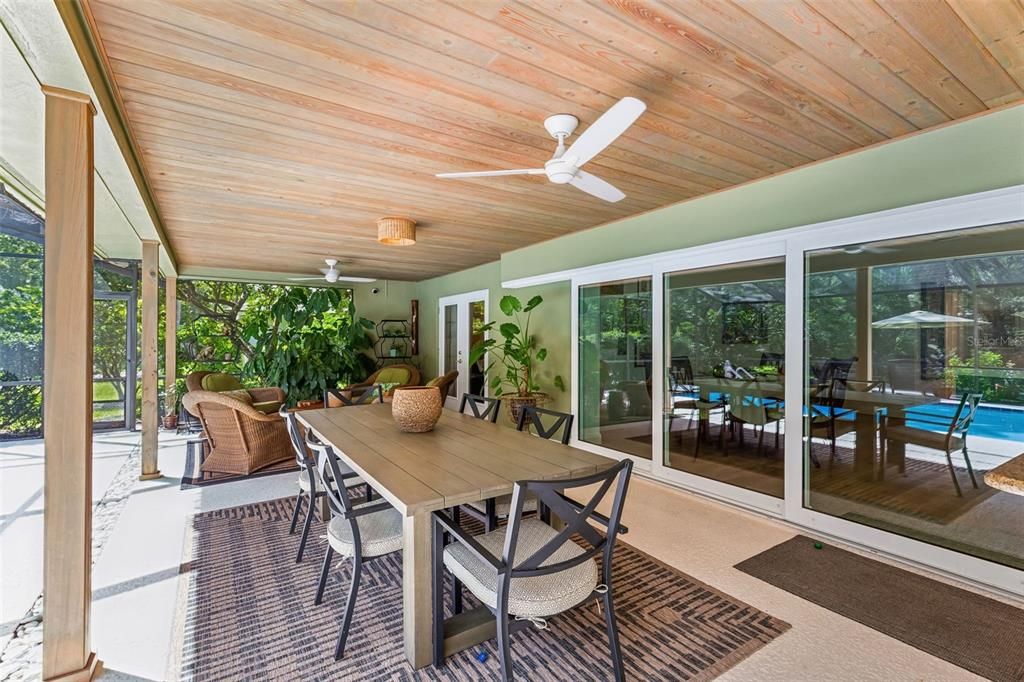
477	320
615	365
723	405
914	387
450	346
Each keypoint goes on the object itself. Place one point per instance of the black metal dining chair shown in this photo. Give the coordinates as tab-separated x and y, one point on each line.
529	571
310	488
349	398
359	532
489	512
481	407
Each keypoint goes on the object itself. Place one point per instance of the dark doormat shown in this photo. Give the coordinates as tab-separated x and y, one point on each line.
980	634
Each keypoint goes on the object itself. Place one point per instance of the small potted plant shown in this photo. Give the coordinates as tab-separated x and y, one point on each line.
171	408
515	355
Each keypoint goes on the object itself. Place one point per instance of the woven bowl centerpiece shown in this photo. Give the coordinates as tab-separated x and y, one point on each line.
416	409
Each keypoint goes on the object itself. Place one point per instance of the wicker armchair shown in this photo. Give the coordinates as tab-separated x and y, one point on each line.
241	438
271	397
413	380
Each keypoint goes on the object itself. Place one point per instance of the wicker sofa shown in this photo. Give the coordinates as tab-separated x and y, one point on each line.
241	438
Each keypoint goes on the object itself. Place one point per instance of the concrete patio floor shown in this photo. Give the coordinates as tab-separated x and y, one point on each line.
137	587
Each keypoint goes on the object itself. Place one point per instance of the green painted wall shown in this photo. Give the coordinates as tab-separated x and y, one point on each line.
551	320
972	156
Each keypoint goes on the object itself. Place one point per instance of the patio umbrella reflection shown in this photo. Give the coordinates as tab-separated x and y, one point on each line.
923	319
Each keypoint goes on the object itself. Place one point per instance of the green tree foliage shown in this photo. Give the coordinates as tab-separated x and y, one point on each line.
311	339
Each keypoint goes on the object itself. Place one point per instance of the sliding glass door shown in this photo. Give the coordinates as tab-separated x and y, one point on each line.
865	391
723	406
615	363
915	387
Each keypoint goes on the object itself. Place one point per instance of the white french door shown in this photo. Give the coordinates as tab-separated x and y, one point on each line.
459	319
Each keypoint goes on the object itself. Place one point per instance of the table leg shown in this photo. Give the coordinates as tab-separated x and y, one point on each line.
864	451
417	574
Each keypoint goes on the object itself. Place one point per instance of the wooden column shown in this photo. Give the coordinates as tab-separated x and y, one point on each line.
67	387
170	333
150	300
865	371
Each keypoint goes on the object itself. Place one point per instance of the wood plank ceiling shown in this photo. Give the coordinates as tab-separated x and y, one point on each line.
275	133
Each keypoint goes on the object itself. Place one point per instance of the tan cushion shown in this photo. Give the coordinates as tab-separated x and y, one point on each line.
219	382
267	407
241	395
535	597
436	381
379	533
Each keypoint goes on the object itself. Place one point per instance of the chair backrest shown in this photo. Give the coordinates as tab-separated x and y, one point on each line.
836	368
531	416
302	456
490	412
445	383
576	520
680	374
364	397
964	415
839	386
331	477
776	360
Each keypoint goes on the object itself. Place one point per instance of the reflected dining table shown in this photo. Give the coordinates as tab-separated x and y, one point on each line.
462	460
865	404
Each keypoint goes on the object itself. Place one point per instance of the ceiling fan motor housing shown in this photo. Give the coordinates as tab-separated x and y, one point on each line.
561	125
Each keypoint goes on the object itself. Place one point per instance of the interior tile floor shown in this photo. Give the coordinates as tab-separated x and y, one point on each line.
137	600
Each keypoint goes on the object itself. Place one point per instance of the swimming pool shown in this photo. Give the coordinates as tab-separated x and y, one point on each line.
1003	423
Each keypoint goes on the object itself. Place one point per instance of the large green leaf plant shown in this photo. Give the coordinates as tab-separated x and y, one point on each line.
515	353
311	339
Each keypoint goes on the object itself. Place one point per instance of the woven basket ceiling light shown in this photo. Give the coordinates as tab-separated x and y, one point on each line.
396	231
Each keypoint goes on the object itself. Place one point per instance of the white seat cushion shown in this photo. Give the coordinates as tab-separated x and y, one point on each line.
503	505
379	533
538	596
304	480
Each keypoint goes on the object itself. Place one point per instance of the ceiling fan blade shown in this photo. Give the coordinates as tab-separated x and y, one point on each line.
606	129
591	184
356	279
303	279
487	174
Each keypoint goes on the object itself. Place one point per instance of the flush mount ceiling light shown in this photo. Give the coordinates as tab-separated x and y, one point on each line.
396	231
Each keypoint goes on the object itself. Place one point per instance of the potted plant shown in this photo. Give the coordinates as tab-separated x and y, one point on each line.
515	355
171	408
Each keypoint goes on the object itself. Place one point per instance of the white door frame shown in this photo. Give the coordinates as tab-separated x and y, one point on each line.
984	208
461	301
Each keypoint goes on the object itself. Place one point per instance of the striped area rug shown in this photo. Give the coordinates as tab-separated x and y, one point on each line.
250	615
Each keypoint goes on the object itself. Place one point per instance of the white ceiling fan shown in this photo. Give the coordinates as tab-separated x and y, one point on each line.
564	166
332	275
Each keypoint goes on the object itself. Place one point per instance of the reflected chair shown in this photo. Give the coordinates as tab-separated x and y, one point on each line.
309	487
829	417
476	405
359	532
746	406
529	571
345	397
952	437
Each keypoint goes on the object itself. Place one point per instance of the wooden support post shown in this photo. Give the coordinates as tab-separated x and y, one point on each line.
67	387
865	371
170	334
150	298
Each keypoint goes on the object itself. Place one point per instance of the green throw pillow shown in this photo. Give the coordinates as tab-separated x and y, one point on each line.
218	382
393	375
268	407
241	395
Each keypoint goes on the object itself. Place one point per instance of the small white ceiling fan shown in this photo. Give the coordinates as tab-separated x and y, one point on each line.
332	275
564	166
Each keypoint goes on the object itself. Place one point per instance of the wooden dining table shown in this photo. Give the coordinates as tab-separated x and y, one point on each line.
462	460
